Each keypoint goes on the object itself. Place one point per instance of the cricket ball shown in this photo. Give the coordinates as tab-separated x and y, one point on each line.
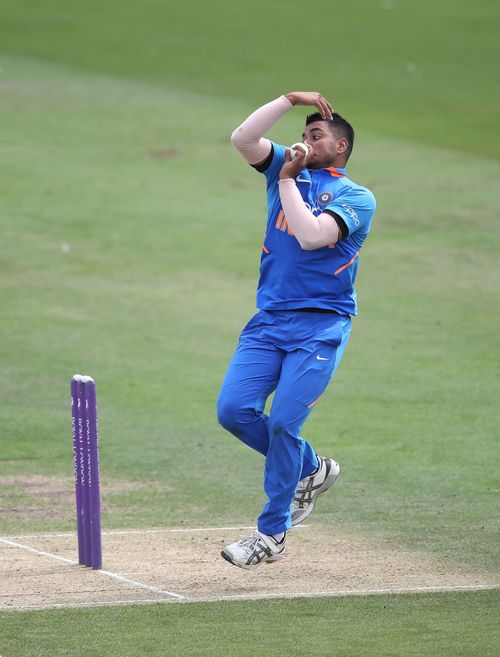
295	149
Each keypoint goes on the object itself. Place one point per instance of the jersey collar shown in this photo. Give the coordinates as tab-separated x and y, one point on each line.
335	172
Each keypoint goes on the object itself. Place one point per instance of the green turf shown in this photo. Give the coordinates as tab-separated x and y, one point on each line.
434	625
426	71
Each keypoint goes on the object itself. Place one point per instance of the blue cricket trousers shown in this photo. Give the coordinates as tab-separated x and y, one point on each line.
294	354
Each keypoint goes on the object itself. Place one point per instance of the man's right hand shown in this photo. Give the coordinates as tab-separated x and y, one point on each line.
313	98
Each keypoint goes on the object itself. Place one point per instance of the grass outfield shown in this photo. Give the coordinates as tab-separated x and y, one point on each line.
436	625
131	238
425	71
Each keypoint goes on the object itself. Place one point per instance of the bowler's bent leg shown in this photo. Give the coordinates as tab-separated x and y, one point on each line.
289	457
252	375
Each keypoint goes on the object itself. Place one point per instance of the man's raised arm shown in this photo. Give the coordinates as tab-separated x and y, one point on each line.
249	139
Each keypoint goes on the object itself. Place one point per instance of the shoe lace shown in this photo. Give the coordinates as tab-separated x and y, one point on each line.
250	540
305	488
303	484
304	492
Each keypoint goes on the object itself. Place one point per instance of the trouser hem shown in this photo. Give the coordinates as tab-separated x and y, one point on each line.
274	529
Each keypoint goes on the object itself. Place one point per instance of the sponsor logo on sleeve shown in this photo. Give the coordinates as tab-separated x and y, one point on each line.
351	213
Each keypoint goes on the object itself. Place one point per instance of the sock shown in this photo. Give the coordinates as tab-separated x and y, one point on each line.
279	537
317	469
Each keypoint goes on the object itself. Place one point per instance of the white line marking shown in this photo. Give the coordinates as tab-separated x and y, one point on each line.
347	592
261	596
179	530
119	532
106	603
44	554
117	576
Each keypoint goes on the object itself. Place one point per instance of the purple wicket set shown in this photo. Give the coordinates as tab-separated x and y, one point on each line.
86	468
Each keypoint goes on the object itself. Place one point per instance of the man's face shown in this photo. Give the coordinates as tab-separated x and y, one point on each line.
326	149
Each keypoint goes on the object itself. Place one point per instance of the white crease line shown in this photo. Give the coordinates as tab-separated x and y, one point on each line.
177	530
66	535
178	596
258	596
348	592
117	576
44	554
119	532
105	603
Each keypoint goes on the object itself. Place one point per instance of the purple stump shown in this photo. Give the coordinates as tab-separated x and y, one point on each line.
94	489
75	414
86	464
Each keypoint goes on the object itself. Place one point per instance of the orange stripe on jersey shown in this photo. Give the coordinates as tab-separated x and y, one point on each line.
264	249
312	403
280	219
336	174
347	265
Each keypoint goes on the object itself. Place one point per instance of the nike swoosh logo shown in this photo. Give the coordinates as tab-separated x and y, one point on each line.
318	357
299	179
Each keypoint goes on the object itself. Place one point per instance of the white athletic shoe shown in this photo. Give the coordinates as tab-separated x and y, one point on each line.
252	550
311	487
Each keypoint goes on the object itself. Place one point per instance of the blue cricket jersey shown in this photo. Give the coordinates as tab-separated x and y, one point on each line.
293	278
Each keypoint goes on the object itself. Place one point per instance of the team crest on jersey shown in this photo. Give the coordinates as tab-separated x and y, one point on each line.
324	198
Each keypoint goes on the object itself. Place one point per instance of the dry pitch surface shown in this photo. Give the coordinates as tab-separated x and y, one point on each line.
184	565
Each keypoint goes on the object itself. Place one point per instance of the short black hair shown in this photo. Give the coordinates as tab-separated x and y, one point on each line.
341	127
